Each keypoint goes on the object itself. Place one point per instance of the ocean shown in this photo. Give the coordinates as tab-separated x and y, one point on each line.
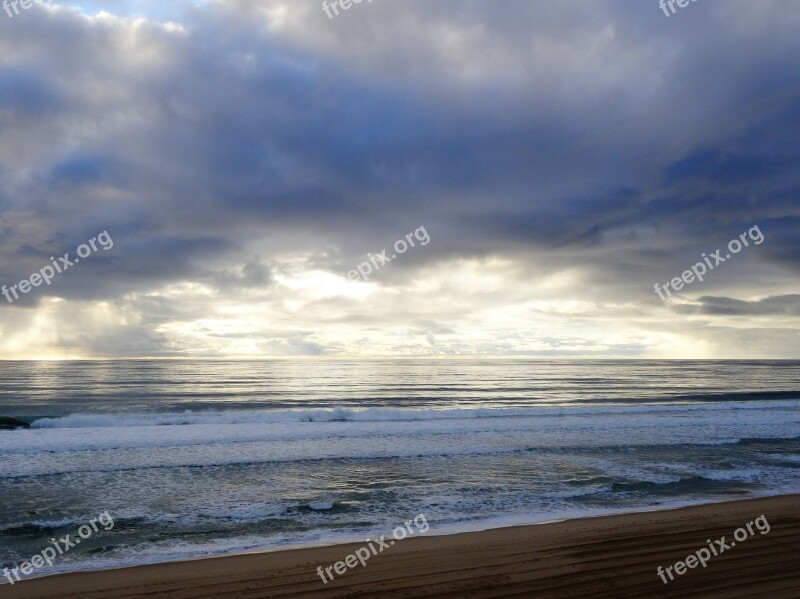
202	458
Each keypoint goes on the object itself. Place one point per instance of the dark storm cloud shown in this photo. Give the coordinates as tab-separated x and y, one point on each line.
253	274
27	94
240	124
590	134
784	305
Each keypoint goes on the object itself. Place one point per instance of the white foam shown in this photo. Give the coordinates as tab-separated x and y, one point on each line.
189	417
281	436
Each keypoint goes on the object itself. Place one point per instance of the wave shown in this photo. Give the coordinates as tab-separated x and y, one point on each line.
759	442
685	486
39	527
7	423
277	416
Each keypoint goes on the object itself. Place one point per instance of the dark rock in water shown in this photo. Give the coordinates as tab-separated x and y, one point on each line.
9	424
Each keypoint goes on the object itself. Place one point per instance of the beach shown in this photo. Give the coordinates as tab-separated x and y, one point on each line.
197	460
605	557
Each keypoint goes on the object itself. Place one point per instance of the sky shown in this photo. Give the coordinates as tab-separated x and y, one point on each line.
561	158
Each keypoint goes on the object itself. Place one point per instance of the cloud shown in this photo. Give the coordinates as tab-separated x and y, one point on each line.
783	305
245	156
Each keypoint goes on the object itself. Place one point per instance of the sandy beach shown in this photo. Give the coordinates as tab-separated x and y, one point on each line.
611	556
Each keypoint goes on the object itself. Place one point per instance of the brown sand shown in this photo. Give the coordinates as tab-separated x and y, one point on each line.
610	557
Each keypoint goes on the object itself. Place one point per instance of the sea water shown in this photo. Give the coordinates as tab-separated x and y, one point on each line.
200	458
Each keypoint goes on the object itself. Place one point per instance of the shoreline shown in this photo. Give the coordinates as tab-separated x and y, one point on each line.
486	525
496	562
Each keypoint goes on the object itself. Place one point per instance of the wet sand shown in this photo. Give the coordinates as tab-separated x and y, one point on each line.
610	557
